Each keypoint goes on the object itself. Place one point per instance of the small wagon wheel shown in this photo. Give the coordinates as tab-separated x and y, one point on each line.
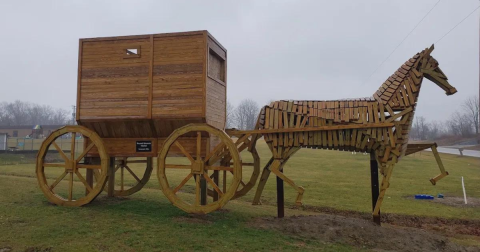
126	174
196	165
250	167
72	168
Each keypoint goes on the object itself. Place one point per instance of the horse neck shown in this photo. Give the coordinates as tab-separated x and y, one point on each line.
401	91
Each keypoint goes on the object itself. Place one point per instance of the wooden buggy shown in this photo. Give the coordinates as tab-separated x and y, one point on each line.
139	97
164	96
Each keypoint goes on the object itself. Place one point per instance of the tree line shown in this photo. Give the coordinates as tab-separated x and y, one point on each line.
464	123
244	116
25	113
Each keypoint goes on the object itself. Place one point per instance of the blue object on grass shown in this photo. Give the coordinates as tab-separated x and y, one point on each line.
424	196
440	196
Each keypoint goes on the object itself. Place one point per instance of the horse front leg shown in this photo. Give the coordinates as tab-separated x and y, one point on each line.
383	188
276	168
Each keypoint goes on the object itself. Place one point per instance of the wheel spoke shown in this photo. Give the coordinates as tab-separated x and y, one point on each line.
216	158
60	151
58	180
133	174
199	145
117	167
89	147
182	149
96	174
224	181
121	178
243	183
177	166
54	165
209	180
70	187
88	166
72	148
242	139
184	181
212	153
137	161
197	190
220	168
83	181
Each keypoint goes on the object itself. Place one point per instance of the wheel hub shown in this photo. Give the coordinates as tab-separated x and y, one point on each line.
198	167
70	166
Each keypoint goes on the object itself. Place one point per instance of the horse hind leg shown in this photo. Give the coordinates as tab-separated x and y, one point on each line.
262	182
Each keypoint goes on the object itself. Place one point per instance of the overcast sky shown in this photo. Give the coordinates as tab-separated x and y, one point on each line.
276	49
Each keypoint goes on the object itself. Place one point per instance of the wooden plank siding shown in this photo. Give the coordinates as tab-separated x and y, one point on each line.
174	79
216	87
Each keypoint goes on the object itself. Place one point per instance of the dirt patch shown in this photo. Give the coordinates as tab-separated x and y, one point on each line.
193	219
38	249
448	227
360	233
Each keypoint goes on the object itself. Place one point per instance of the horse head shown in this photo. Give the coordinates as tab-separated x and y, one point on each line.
431	70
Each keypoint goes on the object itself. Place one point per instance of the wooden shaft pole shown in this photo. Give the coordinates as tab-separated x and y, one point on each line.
375	184
280	197
111	178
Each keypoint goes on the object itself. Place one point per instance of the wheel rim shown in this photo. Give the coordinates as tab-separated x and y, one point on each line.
197	165
129	182
78	173
250	168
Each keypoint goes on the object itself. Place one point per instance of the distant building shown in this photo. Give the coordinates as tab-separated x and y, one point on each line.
3	141
27	130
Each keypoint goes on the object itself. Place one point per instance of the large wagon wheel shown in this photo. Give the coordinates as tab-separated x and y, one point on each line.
250	168
124	188
72	168
197	164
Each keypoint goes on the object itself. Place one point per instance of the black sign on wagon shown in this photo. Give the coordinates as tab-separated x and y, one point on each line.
144	146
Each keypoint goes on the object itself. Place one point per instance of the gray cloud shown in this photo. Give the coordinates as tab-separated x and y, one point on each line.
276	49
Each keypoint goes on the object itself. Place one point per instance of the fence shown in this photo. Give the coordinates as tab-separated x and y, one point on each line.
30	144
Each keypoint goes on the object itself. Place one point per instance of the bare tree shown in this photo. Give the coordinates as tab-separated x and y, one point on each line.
471	107
24	113
230	116
460	125
246	114
420	128
435	130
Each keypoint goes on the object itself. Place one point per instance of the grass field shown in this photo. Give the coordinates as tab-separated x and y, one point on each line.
146	221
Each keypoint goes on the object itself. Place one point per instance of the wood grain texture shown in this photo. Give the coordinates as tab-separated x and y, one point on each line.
164	88
352	124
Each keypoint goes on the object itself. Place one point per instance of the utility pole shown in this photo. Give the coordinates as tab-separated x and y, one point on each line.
73	114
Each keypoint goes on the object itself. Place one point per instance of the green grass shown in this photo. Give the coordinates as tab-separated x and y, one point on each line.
146	221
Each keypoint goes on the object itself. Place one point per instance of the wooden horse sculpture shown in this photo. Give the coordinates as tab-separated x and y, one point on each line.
379	124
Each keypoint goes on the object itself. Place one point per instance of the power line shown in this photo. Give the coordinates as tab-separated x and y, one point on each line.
457	24
403	40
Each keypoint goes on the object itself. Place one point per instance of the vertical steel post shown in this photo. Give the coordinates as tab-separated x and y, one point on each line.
375	184
280	197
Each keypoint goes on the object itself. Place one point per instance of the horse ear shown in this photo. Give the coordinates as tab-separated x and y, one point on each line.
430	49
